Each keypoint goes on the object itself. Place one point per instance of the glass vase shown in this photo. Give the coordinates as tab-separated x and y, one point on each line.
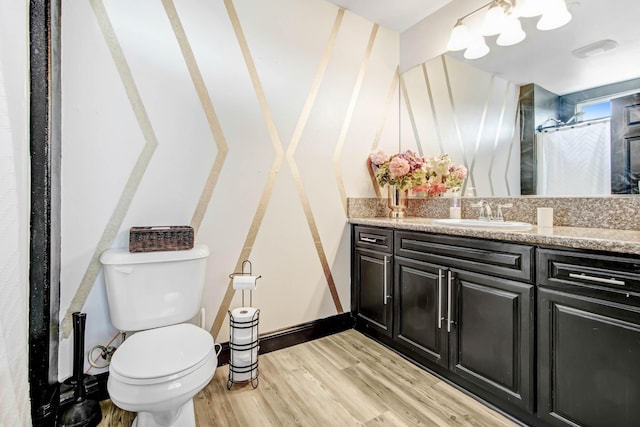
397	201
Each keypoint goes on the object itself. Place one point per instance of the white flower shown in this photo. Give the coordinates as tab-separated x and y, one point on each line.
378	157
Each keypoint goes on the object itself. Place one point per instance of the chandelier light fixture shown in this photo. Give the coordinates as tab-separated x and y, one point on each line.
502	18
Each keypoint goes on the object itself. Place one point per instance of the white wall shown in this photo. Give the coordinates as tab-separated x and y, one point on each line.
14	213
453	108
428	38
250	121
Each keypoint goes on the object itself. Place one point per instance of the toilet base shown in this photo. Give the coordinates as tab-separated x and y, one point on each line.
184	416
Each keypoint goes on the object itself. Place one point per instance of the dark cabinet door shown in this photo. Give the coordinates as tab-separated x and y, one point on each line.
492	337
625	144
419	306
373	276
589	361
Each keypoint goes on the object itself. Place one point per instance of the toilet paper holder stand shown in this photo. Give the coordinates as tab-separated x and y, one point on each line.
243	272
247	371
244	346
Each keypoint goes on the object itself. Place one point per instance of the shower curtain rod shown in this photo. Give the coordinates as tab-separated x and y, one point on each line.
572	125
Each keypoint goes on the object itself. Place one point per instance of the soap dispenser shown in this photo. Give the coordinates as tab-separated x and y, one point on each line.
455	207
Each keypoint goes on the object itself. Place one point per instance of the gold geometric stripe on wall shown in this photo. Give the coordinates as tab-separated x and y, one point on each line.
407	101
497	137
372	177
516	118
376	140
209	110
293	145
455	118
349	114
273	173
436	124
115	221
481	127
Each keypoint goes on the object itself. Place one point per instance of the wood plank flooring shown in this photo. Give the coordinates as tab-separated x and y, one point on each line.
344	379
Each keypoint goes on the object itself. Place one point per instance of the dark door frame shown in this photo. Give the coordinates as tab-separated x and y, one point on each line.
625	136
44	247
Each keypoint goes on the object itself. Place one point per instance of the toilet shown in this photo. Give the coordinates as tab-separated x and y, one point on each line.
158	370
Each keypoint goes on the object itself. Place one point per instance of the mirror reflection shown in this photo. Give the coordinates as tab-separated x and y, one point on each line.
474	109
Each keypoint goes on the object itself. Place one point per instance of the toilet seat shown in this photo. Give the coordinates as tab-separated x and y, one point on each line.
161	355
161	394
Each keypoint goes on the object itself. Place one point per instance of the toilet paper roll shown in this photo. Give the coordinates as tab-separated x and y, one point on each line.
244	359
243	337
243	376
244	340
243	314
244	282
244	325
243	365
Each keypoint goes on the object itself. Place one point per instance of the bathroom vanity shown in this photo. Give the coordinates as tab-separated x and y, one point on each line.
546	327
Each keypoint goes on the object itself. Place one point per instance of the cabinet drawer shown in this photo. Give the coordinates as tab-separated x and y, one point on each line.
614	274
379	239
508	260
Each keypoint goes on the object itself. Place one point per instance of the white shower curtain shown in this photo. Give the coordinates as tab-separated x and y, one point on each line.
575	161
14	215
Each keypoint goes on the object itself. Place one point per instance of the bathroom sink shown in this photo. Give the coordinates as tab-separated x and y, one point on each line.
501	225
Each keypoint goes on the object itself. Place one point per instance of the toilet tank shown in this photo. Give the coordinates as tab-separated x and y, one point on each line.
152	289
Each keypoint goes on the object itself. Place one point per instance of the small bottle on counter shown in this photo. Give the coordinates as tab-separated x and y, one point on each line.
455	207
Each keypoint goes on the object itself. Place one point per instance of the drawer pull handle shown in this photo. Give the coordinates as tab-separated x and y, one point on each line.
611	281
384	273
440	318
449	321
368	239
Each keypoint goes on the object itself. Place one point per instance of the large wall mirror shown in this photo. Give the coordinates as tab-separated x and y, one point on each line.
475	111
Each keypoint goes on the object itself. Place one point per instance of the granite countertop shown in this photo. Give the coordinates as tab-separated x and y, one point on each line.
599	239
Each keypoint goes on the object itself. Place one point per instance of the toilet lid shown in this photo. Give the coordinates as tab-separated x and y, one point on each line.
162	352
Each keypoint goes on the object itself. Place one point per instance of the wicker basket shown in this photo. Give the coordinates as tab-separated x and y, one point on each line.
170	238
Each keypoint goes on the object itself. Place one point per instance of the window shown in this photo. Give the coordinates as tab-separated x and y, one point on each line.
598	108
594	111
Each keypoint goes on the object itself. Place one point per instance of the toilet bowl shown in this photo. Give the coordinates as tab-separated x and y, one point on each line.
157	372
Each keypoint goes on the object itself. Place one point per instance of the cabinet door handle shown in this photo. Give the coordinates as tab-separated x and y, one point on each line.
440	299
368	239
384	273
449	321
583	276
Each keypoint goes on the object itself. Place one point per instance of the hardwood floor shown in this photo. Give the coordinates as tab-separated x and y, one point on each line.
344	379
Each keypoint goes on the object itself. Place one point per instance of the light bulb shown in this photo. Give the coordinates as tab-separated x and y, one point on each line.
555	16
493	20
530	8
512	33
460	38
477	49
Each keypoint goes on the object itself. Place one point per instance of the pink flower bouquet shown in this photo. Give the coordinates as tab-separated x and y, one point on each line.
408	171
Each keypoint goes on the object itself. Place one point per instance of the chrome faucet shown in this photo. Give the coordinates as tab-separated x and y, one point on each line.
485	210
486	213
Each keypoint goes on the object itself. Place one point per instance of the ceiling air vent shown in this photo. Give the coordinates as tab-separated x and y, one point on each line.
594	49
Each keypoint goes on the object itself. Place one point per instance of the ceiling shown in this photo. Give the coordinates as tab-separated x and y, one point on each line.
544	57
397	15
